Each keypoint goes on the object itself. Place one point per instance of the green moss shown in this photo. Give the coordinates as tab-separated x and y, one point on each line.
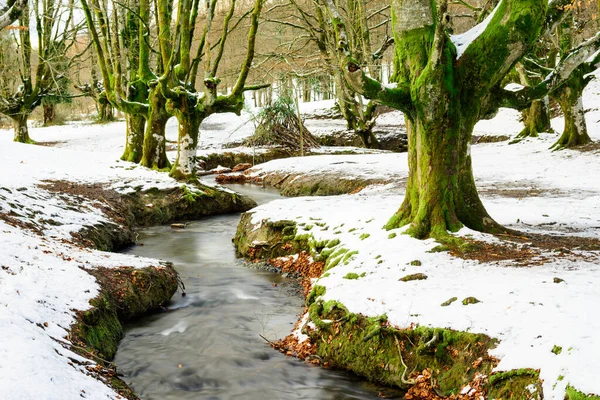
413	277
439	249
557	349
100	329
516	384
316	291
333	243
416	263
470	300
371	348
351	275
392	235
364	236
573	394
449	301
346	258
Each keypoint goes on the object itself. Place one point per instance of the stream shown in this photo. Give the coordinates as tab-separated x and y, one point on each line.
207	346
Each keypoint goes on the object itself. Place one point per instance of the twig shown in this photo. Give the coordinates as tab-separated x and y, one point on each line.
403	377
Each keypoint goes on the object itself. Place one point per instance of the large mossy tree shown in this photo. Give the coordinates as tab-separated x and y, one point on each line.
444	86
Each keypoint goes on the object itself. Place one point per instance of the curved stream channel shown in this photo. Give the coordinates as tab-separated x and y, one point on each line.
208	345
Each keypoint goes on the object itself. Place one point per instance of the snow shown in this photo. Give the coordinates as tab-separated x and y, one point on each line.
41	280
521	306
462	41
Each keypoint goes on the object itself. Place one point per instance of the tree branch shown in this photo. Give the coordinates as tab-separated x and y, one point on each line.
12	14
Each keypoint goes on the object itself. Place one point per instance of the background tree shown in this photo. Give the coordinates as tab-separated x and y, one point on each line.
307	45
59	64
37	78
444	85
570	95
178	83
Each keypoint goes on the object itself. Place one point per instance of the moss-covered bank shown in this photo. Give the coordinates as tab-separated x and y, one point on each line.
231	159
127	292
293	185
147	208
372	348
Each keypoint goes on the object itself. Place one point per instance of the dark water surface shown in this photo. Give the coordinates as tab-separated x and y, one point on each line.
208	345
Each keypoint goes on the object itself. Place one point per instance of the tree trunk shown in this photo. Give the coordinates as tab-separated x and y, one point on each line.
536	119
105	112
184	167
154	153
20	128
569	97
368	138
134	138
441	194
49	114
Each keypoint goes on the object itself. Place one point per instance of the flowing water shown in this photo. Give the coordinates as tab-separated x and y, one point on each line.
207	345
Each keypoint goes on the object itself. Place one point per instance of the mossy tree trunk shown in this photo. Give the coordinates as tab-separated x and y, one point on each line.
49	114
176	87
154	149
20	128
15	8
106	112
189	119
443	95
134	139
536	120
569	97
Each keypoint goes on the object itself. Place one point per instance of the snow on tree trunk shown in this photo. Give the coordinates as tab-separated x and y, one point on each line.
20	128
154	153
569	97
134	138
575	128
189	119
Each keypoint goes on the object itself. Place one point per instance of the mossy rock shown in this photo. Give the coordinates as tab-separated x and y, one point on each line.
413	277
574	394
516	384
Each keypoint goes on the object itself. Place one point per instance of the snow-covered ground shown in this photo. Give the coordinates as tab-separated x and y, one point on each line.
524	186
41	282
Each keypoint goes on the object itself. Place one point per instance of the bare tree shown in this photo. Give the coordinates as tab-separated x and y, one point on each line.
39	75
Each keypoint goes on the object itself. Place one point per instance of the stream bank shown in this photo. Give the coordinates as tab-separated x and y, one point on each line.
208	343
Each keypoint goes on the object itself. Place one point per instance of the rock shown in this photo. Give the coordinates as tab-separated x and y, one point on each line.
178	226
558	280
231	178
413	277
241	167
220	170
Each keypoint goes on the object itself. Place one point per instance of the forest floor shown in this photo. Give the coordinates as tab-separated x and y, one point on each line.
537	293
